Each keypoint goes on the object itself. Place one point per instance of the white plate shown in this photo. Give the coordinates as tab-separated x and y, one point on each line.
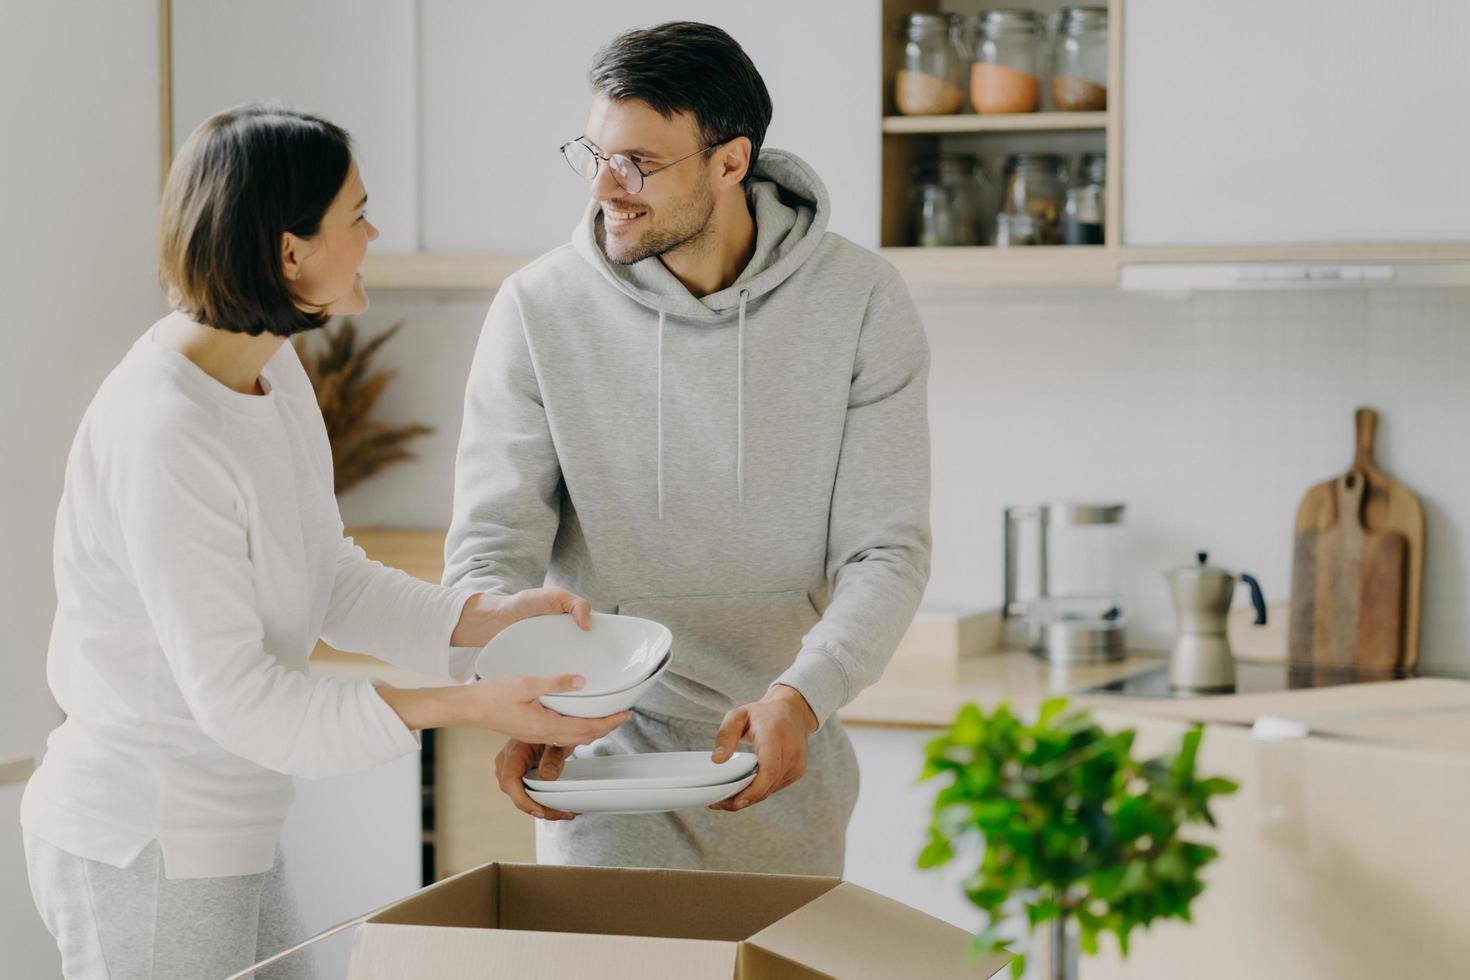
605	704
639	800
616	654
646	770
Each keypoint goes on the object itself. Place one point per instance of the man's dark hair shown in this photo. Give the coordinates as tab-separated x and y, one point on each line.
241	180
684	66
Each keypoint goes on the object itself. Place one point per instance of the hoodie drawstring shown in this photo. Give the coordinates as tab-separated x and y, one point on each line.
740	401
739	406
660	464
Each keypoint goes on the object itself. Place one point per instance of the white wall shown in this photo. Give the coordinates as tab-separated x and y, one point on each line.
354	61
505	85
78	188
1209	415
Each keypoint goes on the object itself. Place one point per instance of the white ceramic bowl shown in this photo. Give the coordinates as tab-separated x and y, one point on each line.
639	800
602	705
645	770
618	653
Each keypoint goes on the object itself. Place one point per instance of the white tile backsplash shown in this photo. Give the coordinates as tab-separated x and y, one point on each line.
1209	414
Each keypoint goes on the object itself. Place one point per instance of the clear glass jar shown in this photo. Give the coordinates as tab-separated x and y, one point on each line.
937	215
1079	81
1032	200
1006	76
971	196
1082	218
926	84
962	40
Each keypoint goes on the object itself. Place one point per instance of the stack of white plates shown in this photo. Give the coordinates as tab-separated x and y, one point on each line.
621	657
651	782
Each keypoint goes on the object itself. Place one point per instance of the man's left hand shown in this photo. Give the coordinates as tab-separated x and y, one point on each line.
777	728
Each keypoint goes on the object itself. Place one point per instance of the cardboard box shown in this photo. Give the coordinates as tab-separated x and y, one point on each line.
529	922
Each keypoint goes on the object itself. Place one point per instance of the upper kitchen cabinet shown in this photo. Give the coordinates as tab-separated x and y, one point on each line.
999	136
1315	130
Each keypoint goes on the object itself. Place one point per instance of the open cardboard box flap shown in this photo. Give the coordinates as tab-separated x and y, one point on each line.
533	921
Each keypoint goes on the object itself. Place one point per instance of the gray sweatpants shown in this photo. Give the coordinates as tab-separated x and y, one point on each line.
800	830
134	924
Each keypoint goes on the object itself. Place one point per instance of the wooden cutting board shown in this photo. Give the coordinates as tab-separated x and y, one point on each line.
1358	559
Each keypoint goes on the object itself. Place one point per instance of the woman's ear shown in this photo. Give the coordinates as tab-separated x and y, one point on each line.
293	255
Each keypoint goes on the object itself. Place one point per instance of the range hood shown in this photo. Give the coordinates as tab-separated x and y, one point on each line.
1289	275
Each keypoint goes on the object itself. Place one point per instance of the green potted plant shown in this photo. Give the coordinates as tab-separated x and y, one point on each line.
1075	830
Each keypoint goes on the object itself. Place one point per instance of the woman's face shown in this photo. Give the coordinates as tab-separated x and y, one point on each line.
323	269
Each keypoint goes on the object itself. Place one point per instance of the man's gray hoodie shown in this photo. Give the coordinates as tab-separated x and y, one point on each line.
750	468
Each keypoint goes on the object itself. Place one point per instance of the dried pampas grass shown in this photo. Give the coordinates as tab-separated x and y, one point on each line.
347	389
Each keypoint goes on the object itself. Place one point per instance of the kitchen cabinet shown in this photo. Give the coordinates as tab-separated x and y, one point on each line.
1341	855
1312	123
908	141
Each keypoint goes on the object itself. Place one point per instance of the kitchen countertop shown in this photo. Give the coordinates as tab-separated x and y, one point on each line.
986	679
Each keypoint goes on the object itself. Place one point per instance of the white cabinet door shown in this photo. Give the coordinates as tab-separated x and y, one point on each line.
1259	122
353	843
889	827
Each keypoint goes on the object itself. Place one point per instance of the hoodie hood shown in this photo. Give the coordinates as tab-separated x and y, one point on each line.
791	209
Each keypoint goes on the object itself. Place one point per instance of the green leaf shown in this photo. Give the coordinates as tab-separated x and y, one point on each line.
936	853
969	725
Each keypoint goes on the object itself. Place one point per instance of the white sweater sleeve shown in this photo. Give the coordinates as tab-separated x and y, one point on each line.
181	520
391	615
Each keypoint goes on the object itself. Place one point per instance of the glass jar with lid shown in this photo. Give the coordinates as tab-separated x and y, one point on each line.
1079	81
926	84
1082	218
937	214
962	40
1006	75
1032	200
972	194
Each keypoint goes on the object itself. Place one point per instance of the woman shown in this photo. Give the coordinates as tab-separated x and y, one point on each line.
199	555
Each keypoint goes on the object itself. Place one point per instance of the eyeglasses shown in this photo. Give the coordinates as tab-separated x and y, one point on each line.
585	161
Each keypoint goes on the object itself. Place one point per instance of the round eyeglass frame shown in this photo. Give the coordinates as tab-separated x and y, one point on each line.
628	166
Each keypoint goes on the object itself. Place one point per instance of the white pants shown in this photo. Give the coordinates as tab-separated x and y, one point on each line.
134	924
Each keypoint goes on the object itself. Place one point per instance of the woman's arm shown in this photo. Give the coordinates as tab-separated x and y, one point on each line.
185	540
507	705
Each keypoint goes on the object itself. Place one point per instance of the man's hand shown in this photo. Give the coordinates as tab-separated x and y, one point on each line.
777	728
519	758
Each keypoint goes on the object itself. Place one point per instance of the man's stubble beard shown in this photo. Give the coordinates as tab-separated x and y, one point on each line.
694	214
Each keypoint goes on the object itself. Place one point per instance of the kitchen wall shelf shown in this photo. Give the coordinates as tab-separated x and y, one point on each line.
1059	265
15	769
440	270
1021	122
908	139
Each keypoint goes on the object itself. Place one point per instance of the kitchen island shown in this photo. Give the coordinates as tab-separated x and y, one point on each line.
1343	855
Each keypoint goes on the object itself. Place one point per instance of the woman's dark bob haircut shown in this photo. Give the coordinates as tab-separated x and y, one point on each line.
241	180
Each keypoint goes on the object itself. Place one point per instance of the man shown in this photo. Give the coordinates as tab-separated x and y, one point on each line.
710	412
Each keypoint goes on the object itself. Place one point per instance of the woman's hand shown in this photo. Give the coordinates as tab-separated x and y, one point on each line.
507	705
486	614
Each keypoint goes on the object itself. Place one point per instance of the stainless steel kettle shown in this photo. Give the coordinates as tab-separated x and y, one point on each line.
1202	660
